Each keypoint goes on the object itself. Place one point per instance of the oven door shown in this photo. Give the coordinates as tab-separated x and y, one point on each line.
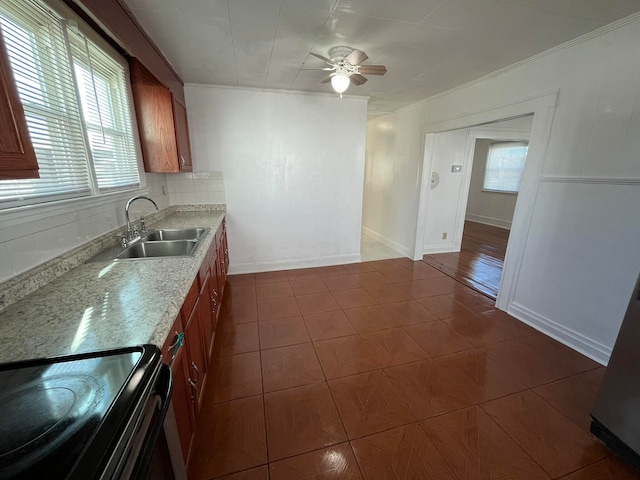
151	452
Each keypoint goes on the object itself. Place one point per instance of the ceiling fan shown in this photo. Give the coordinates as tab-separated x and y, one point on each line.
346	68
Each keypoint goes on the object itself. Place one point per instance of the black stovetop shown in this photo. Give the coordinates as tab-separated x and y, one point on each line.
60	417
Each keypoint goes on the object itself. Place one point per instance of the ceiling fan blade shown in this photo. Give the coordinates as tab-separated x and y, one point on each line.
324	59
328	69
356	57
327	80
357	79
373	69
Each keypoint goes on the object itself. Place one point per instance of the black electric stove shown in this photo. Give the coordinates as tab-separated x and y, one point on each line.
72	417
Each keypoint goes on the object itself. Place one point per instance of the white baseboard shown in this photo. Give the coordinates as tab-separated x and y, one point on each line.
496	222
237	268
572	339
431	249
406	251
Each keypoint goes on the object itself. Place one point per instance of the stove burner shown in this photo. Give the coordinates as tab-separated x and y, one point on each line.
56	413
46	411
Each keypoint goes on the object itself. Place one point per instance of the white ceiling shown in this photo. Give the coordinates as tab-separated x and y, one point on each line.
428	46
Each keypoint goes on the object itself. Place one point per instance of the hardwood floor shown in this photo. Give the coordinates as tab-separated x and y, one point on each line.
479	262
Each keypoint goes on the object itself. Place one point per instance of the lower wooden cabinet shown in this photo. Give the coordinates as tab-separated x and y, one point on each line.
189	347
197	367
175	355
181	398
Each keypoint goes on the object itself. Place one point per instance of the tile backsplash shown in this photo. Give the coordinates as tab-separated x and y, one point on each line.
196	188
29	243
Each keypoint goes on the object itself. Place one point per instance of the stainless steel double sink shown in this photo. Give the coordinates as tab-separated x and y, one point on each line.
167	242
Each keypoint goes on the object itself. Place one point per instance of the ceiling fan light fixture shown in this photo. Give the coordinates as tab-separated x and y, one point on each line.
340	82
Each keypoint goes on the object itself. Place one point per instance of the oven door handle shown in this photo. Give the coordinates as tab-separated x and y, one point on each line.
163	388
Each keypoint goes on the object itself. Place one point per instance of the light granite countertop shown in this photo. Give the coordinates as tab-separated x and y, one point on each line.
104	305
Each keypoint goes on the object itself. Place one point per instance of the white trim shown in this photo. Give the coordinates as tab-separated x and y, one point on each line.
494	222
592	349
401	249
590	180
543	108
432	249
423	179
32	213
331	260
494	113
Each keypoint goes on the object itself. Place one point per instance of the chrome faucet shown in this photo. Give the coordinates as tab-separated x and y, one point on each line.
132	235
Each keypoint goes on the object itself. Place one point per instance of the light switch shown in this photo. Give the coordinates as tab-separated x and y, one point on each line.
456	168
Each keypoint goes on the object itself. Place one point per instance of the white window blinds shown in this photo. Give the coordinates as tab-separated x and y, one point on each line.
102	85
77	106
38	56
505	162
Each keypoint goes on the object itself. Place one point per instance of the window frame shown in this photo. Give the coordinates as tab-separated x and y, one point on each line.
511	143
46	205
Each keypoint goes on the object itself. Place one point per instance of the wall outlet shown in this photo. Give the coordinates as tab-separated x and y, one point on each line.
444	235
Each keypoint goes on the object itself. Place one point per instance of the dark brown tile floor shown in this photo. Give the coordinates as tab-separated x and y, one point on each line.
391	370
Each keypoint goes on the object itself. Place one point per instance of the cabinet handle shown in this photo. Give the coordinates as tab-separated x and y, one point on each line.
178	341
194	390
193	365
181	161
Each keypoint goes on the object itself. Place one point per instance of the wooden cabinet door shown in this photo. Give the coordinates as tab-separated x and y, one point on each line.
225	248
208	318
154	112
220	277
181	400
17	156
214	289
185	163
197	360
162	121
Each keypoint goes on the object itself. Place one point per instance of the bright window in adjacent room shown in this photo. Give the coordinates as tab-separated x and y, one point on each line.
75	95
505	162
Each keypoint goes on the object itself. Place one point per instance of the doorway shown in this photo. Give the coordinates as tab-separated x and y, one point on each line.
481	201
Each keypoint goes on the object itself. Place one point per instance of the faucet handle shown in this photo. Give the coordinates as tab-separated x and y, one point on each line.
143	227
123	240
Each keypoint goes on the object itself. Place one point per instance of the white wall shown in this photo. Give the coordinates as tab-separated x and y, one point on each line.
448	149
33	237
491	208
293	167
589	176
391	178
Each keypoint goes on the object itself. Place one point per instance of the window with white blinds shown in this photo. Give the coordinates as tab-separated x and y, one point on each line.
505	162
77	106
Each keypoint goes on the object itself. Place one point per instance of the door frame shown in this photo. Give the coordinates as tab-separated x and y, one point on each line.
542	107
482	132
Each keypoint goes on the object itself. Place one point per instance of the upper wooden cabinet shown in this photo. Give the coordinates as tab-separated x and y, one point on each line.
162	121
17	156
